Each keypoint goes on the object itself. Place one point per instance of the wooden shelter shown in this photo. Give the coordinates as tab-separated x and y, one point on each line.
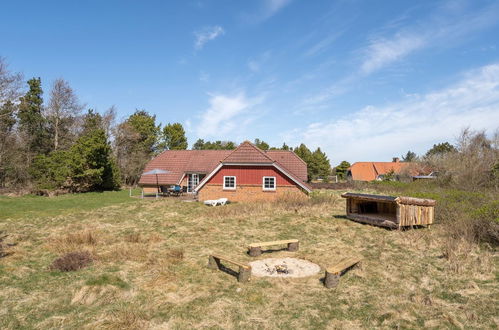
389	211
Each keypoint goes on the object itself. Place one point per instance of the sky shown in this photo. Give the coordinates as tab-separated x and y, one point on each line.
362	80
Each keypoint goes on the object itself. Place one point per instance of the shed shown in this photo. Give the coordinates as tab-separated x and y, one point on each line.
389	211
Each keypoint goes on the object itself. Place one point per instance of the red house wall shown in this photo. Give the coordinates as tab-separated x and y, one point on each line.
250	175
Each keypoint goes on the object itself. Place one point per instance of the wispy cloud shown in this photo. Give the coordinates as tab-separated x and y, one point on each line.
271	7
227	114
450	25
385	51
265	10
207	34
380	132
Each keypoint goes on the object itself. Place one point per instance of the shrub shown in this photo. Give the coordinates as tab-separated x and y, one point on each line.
72	261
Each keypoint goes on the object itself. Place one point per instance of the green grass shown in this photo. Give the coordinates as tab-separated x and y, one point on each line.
40	206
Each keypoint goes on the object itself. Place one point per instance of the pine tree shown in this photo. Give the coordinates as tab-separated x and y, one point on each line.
319	165
262	144
32	124
341	169
174	137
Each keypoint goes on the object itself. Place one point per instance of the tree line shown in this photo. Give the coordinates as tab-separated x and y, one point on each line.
58	143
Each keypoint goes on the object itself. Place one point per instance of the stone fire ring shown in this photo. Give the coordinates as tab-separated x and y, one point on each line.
293	267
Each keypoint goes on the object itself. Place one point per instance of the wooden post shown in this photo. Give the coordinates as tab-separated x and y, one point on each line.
142	195
293	246
255	251
331	280
212	263
244	274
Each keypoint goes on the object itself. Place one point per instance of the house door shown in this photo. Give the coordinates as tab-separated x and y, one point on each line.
192	182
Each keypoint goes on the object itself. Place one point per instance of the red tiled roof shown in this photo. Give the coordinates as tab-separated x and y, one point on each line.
179	162
247	153
289	161
368	171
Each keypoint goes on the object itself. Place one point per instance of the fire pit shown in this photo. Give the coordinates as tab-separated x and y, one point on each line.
283	267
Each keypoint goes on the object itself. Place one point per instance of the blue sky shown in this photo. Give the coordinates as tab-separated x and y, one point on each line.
364	80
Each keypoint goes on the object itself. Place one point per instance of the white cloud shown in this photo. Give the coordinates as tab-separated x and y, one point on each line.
378	133
207	34
226	114
385	51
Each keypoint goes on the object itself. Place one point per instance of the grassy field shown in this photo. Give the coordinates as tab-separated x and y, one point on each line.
150	257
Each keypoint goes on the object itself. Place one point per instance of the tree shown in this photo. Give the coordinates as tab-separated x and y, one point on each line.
440	149
342	169
319	166
199	145
8	142
409	157
87	166
262	144
10	83
285	147
306	155
145	125
62	111
32	124
303	152
217	145
135	142
174	137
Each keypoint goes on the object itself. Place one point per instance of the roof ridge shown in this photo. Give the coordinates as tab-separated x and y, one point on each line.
253	146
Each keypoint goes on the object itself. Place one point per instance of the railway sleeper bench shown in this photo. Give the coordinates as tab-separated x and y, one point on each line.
255	249
334	272
244	271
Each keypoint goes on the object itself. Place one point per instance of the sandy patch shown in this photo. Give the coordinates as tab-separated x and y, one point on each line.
283	267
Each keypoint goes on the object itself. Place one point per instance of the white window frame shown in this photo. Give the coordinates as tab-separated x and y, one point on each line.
263	183
235	183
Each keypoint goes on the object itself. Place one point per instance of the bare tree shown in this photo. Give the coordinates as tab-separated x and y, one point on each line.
63	109
10	83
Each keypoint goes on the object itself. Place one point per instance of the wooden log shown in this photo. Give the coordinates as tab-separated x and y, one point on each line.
255	251
331	280
212	263
373	221
244	274
293	246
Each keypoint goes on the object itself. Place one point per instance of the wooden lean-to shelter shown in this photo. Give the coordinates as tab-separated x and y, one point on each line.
389	211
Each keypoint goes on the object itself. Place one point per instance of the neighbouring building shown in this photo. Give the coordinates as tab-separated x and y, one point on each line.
369	171
244	174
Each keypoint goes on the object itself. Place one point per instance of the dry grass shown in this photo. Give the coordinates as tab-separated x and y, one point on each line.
150	271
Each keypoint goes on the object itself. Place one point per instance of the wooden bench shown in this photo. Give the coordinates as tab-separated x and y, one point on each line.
334	272
244	274
255	249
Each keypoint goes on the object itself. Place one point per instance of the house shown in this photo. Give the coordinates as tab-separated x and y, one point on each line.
369	171
244	174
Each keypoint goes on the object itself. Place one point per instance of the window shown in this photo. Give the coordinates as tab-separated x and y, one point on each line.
230	182
269	183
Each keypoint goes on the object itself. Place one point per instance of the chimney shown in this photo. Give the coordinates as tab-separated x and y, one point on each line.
396	159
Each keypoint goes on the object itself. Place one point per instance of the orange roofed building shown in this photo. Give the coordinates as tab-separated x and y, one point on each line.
244	174
369	171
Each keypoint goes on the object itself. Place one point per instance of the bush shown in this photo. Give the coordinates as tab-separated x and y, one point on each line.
72	261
